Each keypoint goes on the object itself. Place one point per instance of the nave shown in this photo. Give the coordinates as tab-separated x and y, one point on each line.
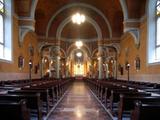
79	104
113	46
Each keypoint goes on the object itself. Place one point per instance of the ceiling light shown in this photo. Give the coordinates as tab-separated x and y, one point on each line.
78	54
79	44
78	18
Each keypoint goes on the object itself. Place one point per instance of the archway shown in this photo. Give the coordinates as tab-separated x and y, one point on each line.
78	62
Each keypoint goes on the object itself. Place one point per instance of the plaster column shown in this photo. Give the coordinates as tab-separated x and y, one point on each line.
57	61
100	62
67	74
50	63
106	71
114	69
41	65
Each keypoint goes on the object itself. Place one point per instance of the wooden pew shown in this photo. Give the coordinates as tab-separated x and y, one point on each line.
44	95
153	90
33	101
107	94
127	102
115	95
16	110
146	111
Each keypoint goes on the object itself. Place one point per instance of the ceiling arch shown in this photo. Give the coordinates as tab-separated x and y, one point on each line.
80	5
40	14
90	20
124	9
73	47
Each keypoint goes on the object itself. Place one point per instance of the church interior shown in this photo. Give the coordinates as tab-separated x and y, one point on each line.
79	59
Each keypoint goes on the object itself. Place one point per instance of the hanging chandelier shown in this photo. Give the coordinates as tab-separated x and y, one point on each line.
79	44
78	54
78	18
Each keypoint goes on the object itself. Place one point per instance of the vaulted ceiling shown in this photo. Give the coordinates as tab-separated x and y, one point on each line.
105	18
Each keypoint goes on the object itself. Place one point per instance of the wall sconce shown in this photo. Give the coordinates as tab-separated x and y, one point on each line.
59	57
30	69
45	60
30	64
48	70
51	61
128	66
98	58
112	61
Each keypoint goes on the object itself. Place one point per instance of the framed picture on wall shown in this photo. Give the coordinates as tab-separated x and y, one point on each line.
31	50
137	63
20	62
120	69
36	68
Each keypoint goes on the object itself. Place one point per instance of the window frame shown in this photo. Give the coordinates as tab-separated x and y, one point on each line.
156	40
6	56
3	39
152	33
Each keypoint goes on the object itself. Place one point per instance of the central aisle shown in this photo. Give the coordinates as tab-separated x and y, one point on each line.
79	104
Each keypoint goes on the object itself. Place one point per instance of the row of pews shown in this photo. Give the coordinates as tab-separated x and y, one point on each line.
30	99
128	100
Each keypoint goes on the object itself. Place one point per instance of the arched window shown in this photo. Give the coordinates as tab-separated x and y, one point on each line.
5	29
153	19
1	28
157	44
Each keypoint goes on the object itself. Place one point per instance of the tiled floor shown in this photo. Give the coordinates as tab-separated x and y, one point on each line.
79	104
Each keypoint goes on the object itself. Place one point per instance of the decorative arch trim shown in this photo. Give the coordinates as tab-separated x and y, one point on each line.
135	33
114	45
72	46
95	50
23	30
124	9
44	44
33	8
63	52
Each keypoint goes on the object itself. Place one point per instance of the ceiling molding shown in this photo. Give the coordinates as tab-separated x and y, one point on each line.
84	40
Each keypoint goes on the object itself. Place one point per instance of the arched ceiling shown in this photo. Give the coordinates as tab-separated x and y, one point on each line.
72	31
107	14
